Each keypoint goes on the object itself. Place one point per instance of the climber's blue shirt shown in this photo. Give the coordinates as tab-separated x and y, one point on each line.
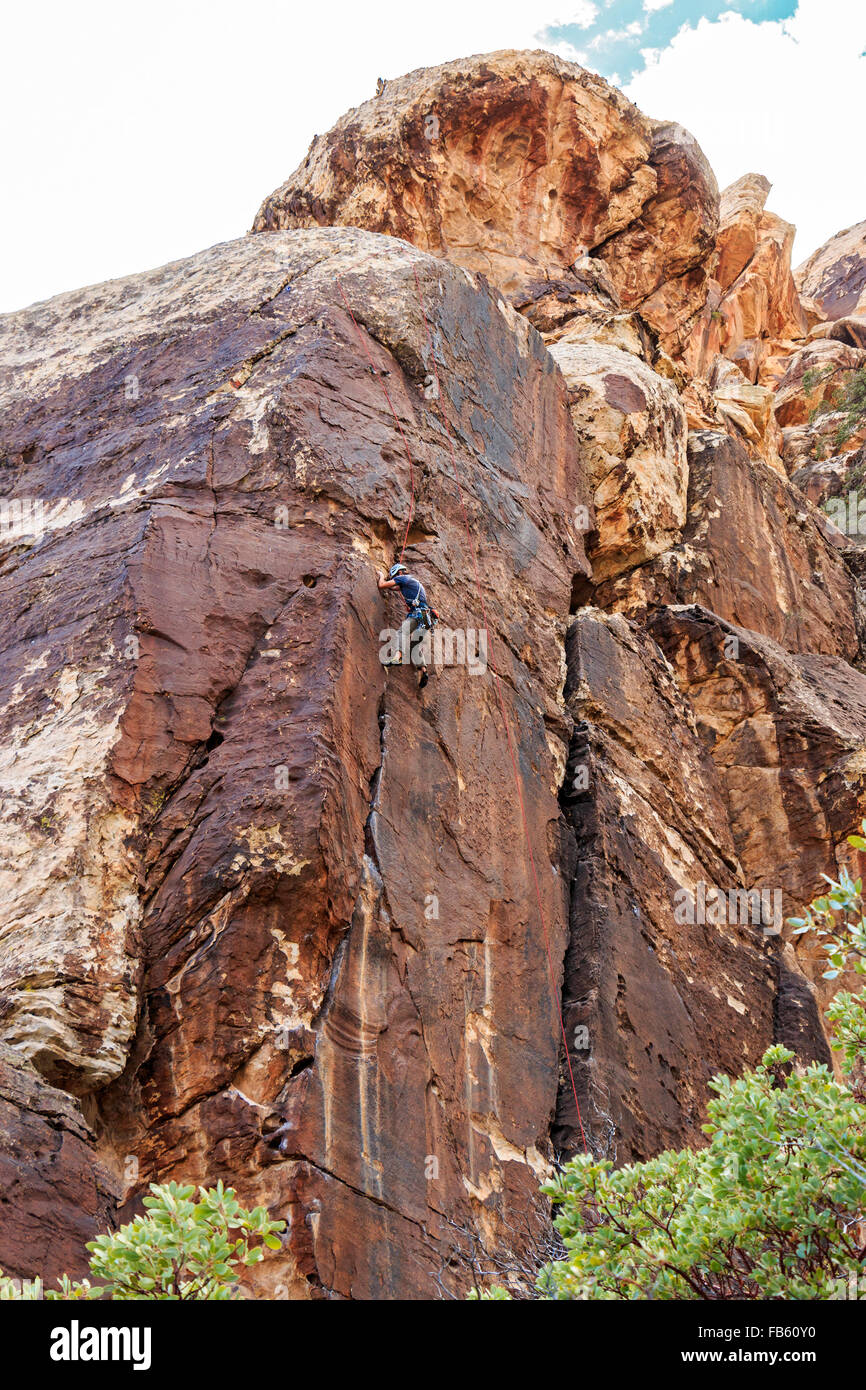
412	589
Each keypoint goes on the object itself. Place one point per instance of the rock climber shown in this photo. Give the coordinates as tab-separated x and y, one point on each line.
421	617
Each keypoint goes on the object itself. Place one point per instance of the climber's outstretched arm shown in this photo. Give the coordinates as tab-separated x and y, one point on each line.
384	582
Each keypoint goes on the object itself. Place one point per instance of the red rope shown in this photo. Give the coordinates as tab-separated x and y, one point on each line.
393	412
506	725
497	681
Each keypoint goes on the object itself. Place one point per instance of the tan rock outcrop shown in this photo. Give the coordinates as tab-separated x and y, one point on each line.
741	207
834	276
819	440
631	430
510	163
753	313
659	263
827	364
845	330
517	164
754	552
747	411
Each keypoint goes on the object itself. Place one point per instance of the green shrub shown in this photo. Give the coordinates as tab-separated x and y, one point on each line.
770	1209
773	1208
837	919
180	1249
848	399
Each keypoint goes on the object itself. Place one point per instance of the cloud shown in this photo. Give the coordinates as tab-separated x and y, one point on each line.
570	53
610	38
150	151
767	85
778	98
619	33
581	17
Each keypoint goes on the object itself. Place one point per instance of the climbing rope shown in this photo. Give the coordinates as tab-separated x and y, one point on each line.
393	412
496	677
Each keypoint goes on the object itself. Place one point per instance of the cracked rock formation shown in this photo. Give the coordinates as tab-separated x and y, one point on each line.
794	587
665	1003
271	913
329	939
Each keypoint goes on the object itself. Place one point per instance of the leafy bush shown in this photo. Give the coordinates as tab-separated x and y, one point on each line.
770	1209
837	919
774	1207
848	399
181	1249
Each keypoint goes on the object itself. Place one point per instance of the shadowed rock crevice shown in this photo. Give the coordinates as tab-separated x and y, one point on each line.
647	828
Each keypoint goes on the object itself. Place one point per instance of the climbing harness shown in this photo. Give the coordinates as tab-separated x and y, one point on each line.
425	615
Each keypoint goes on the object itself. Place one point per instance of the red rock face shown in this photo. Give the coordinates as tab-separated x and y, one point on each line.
56	1195
344	1000
786	731
268	911
795	587
664	1001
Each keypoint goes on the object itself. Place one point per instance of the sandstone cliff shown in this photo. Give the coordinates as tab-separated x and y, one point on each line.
269	911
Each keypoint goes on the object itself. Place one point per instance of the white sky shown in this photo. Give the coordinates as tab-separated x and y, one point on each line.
137	134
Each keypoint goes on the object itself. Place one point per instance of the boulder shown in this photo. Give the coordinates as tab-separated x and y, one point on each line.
659	262
517	164
631	430
754	552
747	411
834	276
845	330
509	163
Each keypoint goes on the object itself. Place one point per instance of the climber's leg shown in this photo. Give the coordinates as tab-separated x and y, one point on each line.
402	656
420	647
